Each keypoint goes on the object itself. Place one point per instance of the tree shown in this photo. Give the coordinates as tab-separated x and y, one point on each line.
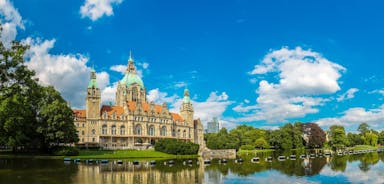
354	139
371	139
363	128
338	138
261	143
381	138
316	136
32	117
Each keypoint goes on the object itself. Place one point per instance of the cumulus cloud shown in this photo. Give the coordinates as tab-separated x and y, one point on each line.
141	67
158	97
347	95
377	91
10	20
352	117
95	9
68	73
303	75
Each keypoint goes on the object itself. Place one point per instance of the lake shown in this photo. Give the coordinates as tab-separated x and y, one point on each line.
358	168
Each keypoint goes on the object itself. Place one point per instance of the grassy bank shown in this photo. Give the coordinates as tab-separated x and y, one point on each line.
255	151
128	154
106	154
362	147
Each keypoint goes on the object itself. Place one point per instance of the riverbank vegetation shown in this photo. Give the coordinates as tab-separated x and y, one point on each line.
294	136
33	118
176	147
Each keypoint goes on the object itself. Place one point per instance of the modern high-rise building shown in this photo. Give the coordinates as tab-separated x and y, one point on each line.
133	122
213	126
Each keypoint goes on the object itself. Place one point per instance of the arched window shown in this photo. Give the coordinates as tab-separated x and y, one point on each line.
113	130
163	131
82	132
151	130
93	131
184	134
178	133
104	129
122	130
138	129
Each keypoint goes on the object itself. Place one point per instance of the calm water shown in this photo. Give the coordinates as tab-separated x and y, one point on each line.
363	168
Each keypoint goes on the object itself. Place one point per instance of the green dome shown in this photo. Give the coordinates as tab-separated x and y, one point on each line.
130	79
92	83
186	99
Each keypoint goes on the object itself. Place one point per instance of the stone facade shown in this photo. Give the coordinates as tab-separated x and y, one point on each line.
132	122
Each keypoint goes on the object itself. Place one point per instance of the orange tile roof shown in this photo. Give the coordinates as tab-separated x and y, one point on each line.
111	109
176	117
79	113
146	106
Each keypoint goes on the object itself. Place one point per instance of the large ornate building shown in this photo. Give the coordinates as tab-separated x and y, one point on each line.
133	122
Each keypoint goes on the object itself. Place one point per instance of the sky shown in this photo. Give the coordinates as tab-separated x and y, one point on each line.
258	63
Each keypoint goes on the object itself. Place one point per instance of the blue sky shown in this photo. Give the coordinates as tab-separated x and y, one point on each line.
246	62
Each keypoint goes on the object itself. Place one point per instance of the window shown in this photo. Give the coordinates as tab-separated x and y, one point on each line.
82	132
104	129
113	129
93	140
93	131
184	134
138	130
163	131
122	130
151	130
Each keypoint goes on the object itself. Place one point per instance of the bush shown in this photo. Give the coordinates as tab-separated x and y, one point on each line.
66	151
176	147
247	147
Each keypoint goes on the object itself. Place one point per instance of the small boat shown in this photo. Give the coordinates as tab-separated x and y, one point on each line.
293	157
312	155
171	162
104	161
77	160
67	159
120	162
320	154
303	156
268	159
207	161
90	161
223	161
135	162
281	158
190	162
240	160
255	159
327	154
340	154
152	162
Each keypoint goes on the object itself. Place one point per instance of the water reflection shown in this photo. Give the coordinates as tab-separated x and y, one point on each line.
362	168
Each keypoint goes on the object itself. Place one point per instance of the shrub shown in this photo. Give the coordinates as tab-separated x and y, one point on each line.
176	147
247	147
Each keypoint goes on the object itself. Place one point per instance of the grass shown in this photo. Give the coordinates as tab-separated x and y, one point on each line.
255	151
363	147
128	154
106	154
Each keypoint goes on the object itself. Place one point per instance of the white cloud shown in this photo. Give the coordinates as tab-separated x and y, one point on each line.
10	20
95	9
354	116
119	68
108	94
158	97
180	84
378	91
303	75
68	73
347	95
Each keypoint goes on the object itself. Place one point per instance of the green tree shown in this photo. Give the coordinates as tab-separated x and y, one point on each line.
338	137
363	128
354	139
261	143
381	138
32	117
371	139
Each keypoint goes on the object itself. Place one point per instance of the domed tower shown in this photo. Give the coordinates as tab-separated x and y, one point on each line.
186	109
93	98
131	87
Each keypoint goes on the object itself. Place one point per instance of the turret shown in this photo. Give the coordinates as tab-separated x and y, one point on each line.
186	109
93	98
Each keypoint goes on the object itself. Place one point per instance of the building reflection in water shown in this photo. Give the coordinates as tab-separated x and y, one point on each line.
143	173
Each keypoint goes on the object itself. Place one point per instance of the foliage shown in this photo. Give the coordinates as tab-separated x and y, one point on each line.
381	138
222	140
66	151
32	117
338	138
176	147
354	139
363	128
247	147
316	135
371	139
261	143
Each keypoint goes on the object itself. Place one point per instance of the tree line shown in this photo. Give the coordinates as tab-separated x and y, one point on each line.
293	136
32	117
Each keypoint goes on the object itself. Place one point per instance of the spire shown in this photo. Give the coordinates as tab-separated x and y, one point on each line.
92	83
186	98
131	66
